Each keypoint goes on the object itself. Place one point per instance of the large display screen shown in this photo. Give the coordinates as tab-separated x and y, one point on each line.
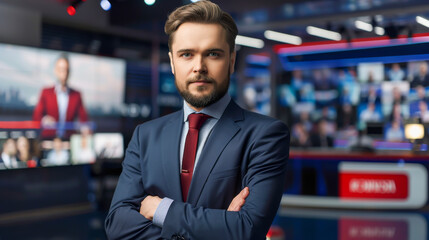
58	108
334	96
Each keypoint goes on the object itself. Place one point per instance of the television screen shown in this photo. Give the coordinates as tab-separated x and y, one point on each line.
331	96
53	103
330	105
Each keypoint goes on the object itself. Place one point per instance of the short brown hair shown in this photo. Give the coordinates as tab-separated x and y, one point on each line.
201	12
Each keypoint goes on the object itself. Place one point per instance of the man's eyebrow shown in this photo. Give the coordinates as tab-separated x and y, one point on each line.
193	50
185	50
215	50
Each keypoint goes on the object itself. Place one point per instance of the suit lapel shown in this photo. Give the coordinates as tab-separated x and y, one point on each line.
170	138
221	135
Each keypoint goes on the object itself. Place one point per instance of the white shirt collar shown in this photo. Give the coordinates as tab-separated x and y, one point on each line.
215	110
58	89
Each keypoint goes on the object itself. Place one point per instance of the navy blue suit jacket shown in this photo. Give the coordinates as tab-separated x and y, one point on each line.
243	149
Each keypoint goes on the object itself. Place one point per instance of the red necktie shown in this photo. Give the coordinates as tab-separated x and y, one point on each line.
195	123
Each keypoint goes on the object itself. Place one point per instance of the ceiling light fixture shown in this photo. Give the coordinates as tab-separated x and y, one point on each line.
249	42
283	37
71	9
363	26
323	33
149	2
105	5
423	21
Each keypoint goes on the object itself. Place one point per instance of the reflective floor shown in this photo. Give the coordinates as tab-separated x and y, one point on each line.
351	224
83	226
290	224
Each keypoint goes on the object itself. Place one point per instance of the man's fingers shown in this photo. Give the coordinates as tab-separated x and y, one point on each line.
149	205
245	192
239	200
238	204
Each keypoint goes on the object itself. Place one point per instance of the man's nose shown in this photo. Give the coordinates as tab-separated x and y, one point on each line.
200	65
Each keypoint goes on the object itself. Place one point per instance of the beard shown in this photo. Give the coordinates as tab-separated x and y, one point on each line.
207	99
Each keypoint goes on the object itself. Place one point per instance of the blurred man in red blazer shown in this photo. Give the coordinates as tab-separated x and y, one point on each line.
59	105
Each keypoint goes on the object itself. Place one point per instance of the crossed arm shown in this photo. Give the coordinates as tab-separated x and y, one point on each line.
150	204
249	215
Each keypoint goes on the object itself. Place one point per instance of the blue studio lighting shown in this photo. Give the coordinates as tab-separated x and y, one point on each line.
105	5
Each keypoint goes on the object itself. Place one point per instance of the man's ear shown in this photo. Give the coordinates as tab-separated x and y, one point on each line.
171	62
232	62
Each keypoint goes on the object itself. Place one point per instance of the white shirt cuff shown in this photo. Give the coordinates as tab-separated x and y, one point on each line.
161	212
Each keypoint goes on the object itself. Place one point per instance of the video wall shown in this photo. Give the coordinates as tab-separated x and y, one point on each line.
58	108
333	102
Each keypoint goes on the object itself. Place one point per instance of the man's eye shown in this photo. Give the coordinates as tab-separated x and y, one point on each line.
186	55
214	54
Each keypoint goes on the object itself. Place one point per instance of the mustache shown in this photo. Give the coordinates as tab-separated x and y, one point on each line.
200	78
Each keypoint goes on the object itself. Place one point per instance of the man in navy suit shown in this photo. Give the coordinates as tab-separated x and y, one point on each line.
240	162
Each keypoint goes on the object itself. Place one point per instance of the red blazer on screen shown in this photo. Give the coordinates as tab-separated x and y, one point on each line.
48	105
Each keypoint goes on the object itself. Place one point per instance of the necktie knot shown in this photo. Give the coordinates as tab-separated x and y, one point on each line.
196	120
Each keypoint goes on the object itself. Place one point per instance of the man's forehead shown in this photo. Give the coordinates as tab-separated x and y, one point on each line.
195	35
62	61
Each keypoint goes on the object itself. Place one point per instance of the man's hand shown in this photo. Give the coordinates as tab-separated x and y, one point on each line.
148	206
239	200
